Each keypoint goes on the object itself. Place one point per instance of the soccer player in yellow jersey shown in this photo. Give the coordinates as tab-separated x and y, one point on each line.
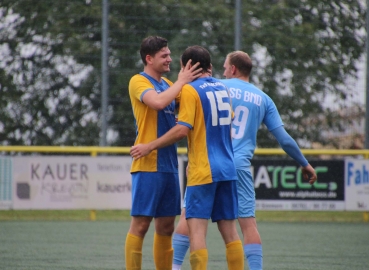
155	182
205	118
251	108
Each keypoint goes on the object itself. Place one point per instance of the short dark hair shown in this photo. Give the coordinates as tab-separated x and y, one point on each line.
151	45
197	54
241	61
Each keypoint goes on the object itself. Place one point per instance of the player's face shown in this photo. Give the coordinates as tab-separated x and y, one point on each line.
227	69
162	60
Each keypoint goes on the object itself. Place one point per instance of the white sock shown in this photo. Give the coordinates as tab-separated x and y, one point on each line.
176	267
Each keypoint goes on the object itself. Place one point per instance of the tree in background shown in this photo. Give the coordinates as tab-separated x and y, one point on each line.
311	50
43	101
50	69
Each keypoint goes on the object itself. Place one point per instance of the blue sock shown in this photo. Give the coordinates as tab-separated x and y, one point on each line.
180	243
254	255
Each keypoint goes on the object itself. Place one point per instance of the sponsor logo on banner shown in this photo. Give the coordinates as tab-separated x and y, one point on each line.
357	184
60	180
72	182
104	187
279	184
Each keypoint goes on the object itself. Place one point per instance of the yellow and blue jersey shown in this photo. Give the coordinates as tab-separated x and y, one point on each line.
150	124
205	108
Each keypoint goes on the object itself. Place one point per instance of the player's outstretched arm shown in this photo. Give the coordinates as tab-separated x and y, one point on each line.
289	145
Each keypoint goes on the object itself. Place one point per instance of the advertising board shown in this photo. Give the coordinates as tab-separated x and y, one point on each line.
71	182
357	184
279	185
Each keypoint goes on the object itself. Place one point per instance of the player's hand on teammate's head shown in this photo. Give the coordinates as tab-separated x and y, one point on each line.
189	72
309	174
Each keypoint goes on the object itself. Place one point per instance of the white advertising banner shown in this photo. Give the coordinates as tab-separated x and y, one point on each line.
71	182
300	205
357	184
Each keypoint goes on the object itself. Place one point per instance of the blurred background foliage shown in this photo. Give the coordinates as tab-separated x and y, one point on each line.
305	53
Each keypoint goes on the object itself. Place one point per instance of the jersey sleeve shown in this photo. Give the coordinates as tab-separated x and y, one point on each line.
272	119
187	106
138	86
289	145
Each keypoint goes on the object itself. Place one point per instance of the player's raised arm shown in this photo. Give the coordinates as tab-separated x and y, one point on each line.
159	101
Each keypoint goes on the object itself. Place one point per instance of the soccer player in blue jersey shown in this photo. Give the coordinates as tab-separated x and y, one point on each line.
155	182
205	118
251	108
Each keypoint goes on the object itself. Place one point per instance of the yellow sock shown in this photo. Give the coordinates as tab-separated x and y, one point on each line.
199	259
163	252
235	257
133	252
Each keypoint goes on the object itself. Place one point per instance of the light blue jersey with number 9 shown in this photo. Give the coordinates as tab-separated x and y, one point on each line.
251	107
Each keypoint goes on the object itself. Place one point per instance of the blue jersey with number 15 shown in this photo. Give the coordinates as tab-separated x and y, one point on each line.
251	107
205	108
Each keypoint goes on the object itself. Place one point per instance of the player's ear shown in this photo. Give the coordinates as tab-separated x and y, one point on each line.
233	69
210	70
148	59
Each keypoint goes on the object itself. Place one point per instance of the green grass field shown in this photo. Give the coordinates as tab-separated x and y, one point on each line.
68	240
123	215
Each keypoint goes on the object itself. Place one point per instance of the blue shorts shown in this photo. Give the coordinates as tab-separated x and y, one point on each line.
155	194
246	194
217	201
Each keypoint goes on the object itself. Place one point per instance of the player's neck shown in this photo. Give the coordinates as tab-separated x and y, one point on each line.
243	78
204	75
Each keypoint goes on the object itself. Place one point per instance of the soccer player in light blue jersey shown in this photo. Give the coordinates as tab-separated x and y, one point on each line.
251	108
